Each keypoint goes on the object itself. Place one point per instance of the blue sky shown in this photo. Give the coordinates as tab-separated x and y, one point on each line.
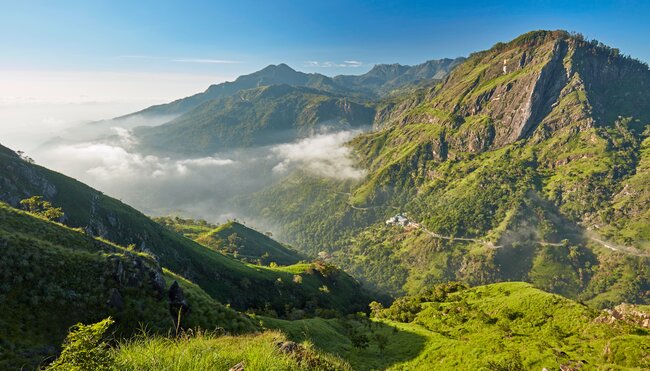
219	40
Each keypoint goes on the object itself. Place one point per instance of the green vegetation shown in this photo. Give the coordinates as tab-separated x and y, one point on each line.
499	326
542	197
486	327
54	276
37	206
225	279
208	352
235	239
85	348
529	162
514	324
256	117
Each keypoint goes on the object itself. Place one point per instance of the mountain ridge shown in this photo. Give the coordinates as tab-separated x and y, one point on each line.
512	153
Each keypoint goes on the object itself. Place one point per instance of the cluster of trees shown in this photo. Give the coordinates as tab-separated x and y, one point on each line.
38	206
406	308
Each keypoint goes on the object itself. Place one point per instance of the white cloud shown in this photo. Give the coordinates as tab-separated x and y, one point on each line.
325	155
328	64
116	163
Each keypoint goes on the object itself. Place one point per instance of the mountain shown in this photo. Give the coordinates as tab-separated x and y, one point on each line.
522	164
235	239
381	76
271	75
54	277
380	81
256	117
277	104
228	280
383	79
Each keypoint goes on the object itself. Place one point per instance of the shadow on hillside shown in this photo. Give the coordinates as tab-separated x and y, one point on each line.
402	345
338	337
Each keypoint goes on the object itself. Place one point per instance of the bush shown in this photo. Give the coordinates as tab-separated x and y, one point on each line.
86	348
37	206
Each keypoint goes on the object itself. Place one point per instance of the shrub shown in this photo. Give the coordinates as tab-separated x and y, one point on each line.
37	206
85	348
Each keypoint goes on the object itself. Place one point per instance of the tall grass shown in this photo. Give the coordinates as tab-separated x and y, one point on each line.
208	351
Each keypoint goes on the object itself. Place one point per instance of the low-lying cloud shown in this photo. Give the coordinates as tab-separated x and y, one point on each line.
200	187
325	155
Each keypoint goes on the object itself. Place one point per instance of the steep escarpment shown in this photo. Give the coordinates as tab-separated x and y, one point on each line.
546	80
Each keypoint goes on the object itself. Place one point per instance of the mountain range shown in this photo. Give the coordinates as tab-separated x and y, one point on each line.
525	163
528	162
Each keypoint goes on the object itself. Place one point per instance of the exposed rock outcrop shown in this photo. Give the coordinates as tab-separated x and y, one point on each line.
627	313
178	305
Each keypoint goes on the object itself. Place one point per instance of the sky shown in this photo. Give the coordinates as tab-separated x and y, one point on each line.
144	52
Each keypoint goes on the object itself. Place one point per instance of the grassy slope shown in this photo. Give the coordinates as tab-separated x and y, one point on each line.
54	276
483	328
205	352
250	245
225	279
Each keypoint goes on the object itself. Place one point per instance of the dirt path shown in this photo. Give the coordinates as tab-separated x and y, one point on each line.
622	249
487	244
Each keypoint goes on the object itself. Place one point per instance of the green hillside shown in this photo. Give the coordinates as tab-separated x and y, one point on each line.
252	118
547	195
54	276
228	280
501	326
506	326
235	239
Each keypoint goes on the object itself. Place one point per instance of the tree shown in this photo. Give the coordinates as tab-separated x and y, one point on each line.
37	206
382	342
375	309
358	340
234	242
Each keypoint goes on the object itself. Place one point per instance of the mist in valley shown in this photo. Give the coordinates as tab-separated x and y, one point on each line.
105	155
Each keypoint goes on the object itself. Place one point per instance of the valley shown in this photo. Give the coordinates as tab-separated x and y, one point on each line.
489	212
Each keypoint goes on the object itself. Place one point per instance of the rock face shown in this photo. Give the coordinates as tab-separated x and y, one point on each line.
178	306
115	299
541	81
289	347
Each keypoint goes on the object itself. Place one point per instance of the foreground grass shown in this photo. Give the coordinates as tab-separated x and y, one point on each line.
505	326
209	352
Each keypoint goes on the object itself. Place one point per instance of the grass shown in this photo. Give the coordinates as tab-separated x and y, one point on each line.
332	336
205	352
509	326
